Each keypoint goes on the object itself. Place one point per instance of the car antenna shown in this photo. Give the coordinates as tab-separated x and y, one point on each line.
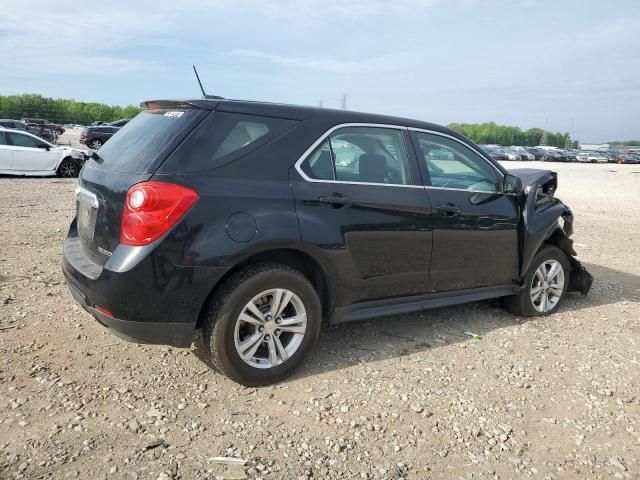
204	95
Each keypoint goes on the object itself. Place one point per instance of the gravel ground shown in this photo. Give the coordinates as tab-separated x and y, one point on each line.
71	138
404	397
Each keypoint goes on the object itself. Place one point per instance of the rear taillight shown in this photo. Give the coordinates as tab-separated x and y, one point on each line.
151	209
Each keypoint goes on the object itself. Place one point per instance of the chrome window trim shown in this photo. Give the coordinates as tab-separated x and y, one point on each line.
325	135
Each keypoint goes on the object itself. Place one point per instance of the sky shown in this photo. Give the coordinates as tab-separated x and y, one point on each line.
526	63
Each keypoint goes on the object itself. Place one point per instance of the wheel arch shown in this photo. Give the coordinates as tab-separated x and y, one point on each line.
294	258
580	279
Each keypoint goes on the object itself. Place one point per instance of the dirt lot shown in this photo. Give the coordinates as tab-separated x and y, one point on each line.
410	396
71	138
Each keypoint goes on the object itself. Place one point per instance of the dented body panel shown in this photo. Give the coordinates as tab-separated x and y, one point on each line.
545	219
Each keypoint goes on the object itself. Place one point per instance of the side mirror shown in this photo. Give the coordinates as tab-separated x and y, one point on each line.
45	146
511	184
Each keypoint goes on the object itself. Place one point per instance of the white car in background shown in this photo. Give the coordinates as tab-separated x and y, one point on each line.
523	152
22	153
586	156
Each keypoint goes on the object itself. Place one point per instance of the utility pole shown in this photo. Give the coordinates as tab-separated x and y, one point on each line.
543	140
344	101
573	133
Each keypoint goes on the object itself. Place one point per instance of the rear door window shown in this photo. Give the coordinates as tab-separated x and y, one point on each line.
361	155
147	139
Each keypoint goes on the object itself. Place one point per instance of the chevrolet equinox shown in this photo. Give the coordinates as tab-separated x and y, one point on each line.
256	222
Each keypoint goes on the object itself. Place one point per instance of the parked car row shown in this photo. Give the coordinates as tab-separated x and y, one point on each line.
41	128
553	154
93	136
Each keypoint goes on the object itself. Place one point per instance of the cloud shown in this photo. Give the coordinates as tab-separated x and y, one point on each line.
39	36
329	65
307	9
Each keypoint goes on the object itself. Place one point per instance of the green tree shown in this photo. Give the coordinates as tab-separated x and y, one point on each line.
61	110
491	133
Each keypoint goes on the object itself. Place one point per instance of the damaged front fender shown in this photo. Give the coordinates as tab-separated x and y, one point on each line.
545	219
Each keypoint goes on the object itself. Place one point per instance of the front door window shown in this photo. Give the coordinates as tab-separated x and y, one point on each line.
453	165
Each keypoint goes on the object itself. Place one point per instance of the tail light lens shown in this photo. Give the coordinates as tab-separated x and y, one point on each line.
151	209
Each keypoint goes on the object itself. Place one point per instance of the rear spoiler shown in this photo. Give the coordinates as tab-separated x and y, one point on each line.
200	104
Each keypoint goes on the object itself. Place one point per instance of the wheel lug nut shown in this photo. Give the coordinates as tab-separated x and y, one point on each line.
277	332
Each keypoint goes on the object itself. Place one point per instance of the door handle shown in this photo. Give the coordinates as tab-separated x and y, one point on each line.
336	201
449	210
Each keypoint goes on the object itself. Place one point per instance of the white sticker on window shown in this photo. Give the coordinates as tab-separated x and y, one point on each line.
174	114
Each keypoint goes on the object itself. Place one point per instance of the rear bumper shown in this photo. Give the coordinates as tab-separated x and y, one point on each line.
174	334
153	301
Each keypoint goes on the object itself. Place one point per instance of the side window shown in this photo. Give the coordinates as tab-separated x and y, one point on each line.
453	165
241	135
20	140
319	164
224	137
361	154
2	140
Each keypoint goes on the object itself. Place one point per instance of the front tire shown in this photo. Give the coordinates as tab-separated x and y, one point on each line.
68	169
261	324
545	285
95	144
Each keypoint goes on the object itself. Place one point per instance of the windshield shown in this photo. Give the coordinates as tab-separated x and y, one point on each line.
147	139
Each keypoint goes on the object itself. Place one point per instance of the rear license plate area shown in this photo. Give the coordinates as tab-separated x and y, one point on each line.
87	207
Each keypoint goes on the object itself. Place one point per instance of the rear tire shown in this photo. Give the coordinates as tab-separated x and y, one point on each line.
545	285
95	144
248	337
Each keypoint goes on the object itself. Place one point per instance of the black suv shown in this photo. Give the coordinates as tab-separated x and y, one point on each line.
96	135
256	222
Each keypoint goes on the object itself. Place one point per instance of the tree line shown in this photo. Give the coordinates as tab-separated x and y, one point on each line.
61	110
628	143
491	133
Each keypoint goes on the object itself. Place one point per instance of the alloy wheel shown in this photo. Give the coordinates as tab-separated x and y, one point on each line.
547	286
69	170
270	328
96	144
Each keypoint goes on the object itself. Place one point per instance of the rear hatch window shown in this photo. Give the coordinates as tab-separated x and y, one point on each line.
142	144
